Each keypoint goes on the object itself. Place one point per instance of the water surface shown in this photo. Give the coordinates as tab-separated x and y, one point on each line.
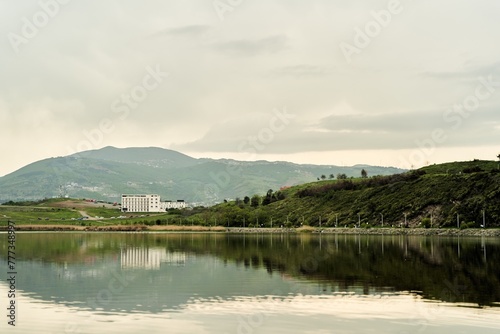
252	283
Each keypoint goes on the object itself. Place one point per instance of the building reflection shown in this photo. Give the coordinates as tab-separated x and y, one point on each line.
150	258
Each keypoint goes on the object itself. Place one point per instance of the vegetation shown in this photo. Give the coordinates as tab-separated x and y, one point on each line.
460	194
364	173
434	195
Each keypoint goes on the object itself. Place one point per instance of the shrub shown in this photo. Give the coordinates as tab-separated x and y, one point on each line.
475	169
426	222
467	225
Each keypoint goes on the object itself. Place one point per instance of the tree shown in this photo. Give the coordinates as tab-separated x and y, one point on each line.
323	176
246	200
341	176
332	176
255	201
268	198
364	173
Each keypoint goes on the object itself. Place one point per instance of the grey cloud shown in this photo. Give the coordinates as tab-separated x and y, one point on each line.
247	47
353	132
402	122
469	73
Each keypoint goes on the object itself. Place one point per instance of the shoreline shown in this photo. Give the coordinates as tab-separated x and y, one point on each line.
238	230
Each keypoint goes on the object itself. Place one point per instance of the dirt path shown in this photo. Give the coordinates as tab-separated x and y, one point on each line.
85	214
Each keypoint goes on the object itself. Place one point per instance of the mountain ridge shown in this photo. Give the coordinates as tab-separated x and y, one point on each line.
108	172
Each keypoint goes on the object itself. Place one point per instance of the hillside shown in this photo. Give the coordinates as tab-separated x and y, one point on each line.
432	195
107	173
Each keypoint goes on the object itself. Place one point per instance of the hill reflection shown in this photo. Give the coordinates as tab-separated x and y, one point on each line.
169	271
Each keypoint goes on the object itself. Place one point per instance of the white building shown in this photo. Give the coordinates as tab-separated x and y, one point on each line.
149	203
179	204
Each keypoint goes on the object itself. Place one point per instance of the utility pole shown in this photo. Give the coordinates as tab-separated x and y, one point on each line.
382	215
484	218
359	220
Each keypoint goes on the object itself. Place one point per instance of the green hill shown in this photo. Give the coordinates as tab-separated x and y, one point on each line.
432	195
107	173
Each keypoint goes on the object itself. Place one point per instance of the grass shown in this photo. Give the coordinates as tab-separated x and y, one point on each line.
20	213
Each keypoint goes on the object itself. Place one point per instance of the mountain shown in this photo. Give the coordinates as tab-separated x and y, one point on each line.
107	173
445	195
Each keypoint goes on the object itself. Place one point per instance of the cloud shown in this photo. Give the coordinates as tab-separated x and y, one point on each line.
302	70
469	73
187	31
247	47
347	132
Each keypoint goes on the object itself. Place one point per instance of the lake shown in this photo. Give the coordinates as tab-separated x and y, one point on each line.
251	283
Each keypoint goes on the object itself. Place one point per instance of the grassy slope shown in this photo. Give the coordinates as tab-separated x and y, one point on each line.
440	191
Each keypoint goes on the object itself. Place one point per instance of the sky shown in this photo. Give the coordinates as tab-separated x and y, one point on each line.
393	83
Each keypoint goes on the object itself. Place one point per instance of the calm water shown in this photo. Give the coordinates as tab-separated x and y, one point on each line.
218	283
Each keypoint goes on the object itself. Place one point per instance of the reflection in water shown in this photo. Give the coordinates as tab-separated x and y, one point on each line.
149	258
280	276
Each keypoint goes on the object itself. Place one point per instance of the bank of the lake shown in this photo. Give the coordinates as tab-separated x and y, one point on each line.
220	229
374	231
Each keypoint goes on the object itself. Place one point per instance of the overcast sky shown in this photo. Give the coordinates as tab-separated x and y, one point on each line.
395	83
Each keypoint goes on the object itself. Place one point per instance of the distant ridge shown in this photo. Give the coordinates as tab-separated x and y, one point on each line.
133	154
108	172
